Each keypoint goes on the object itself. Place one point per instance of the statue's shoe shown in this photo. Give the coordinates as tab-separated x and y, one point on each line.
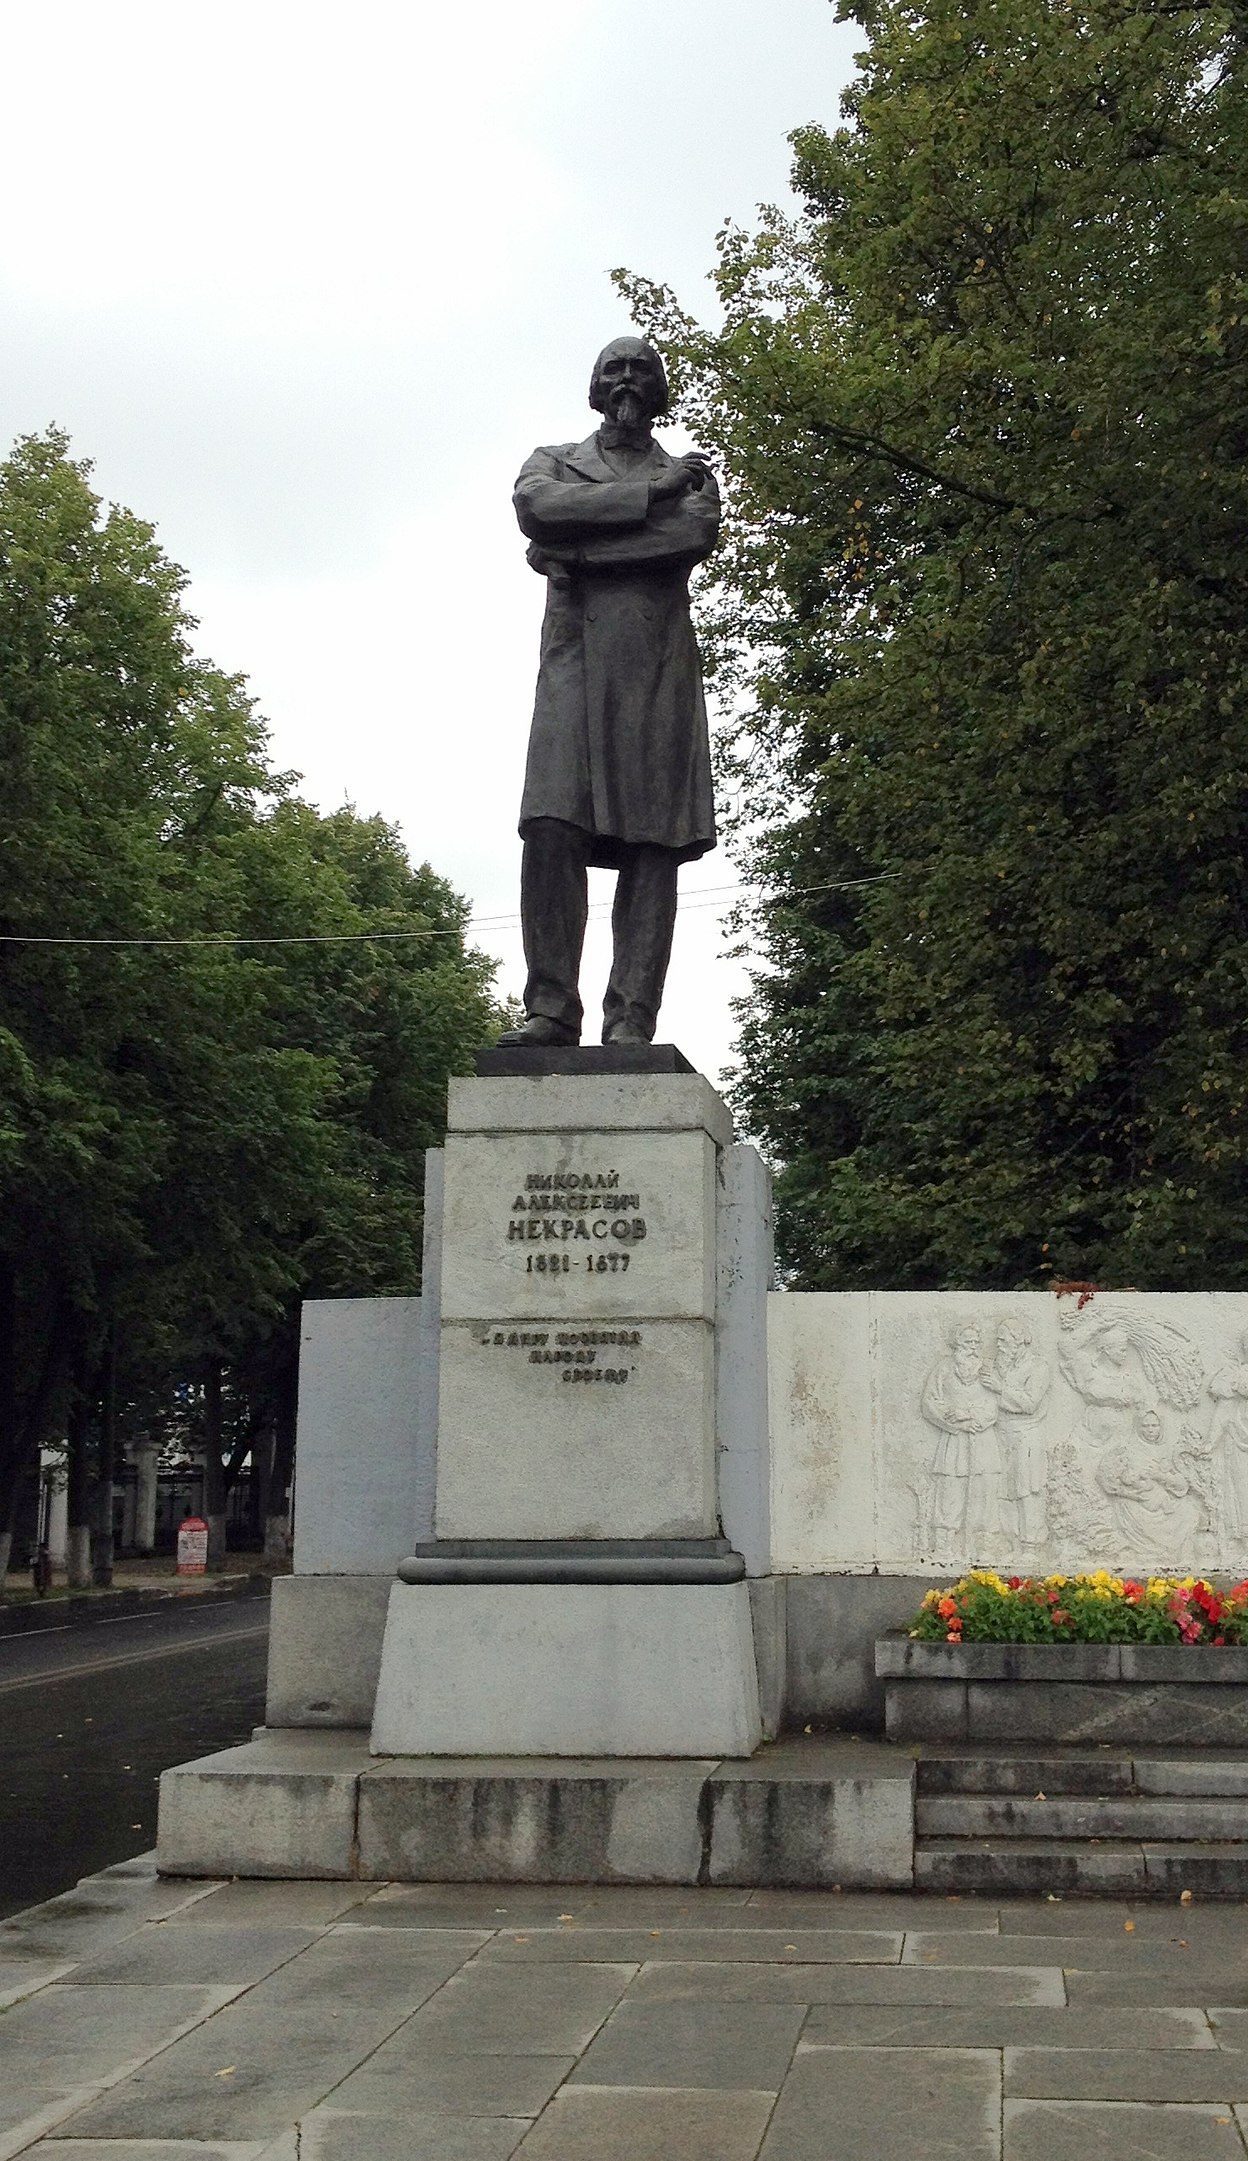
625	1031
538	1033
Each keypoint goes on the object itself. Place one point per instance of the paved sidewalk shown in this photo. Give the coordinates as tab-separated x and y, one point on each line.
346	2022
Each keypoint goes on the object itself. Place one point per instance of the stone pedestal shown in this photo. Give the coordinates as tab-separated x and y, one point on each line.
579	1596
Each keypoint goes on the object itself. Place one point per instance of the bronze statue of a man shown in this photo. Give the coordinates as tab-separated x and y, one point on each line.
619	767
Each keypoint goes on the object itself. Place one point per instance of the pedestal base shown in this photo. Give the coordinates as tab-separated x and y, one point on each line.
568	1669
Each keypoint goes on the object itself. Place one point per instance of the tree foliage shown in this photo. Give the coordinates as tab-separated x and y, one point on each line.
198	1131
982	406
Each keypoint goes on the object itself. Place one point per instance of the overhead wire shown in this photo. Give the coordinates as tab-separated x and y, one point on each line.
701	897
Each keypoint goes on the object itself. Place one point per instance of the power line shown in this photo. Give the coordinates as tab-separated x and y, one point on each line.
701	897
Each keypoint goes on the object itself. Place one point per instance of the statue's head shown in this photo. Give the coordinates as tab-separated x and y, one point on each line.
629	383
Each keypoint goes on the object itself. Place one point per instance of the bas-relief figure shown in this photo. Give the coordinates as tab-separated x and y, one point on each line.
619	768
1112	1448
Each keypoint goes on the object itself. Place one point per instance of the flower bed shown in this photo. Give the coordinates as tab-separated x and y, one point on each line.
986	1608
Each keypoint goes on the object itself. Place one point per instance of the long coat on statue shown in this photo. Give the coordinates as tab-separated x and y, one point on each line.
619	742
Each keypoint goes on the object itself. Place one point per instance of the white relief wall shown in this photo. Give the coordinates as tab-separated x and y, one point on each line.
920	1433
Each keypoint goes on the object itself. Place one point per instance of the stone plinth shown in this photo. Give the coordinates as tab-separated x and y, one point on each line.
599	1248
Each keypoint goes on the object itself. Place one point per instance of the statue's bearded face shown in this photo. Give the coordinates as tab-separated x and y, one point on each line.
628	384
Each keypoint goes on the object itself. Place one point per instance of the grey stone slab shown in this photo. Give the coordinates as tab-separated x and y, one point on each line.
83	1921
926	1711
74	2149
885	1985
971	1772
1049	1868
613	2124
839	2103
78	2036
856	1910
1136	1816
635	1946
832	1624
634	1823
1193	1665
1060	2074
1078	1712
263	1810
277	1905
331	2134
1223	1923
902	1657
373	1970
27	2110
690	2044
1121	1952
542	2010
1207	1870
1158	1985
22	1976
326	1630
1229	2028
991	2025
432	2080
249	2073
1117	2131
174	1951
849	1827
509	1906
1195	1775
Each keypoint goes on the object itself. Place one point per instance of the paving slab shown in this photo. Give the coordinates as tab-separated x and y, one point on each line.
840	2103
28	2110
173	1951
245	2075
1229	2028
1118	2131
369	1972
1120	1952
837	1947
494	1905
76	2149
437	2080
78	2036
588	2123
992	2025
331	2134
542	2010
690	2044
1059	2074
869	1909
89	1919
1159	1985
22	1976
276	1905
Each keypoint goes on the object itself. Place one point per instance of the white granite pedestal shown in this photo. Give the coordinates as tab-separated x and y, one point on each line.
579	1596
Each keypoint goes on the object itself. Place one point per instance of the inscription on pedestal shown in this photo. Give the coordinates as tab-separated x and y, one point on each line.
597	1231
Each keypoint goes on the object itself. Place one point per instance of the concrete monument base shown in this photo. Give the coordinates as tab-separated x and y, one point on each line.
568	1669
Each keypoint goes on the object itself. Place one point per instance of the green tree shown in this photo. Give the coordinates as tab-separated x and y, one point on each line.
983	412
198	1130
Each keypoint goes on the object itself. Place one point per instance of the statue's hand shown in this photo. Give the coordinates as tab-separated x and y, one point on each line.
685	475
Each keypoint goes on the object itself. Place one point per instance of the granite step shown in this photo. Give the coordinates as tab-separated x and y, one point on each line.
1082	1771
1087	1868
1173	1817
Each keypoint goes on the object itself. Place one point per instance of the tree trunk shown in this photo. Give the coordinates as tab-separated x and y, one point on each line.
214	1470
77	1499
278	1525
106	1471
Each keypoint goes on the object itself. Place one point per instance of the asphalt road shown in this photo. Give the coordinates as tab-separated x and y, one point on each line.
90	1717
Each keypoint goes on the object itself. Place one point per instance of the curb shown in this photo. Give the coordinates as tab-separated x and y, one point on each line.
88	1611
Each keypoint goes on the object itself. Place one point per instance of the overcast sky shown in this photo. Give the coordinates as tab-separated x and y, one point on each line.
308	282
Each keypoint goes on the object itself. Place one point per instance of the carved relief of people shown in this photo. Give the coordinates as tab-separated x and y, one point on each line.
966	1464
1021	1380
1095	1358
1154	1506
1228	1438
